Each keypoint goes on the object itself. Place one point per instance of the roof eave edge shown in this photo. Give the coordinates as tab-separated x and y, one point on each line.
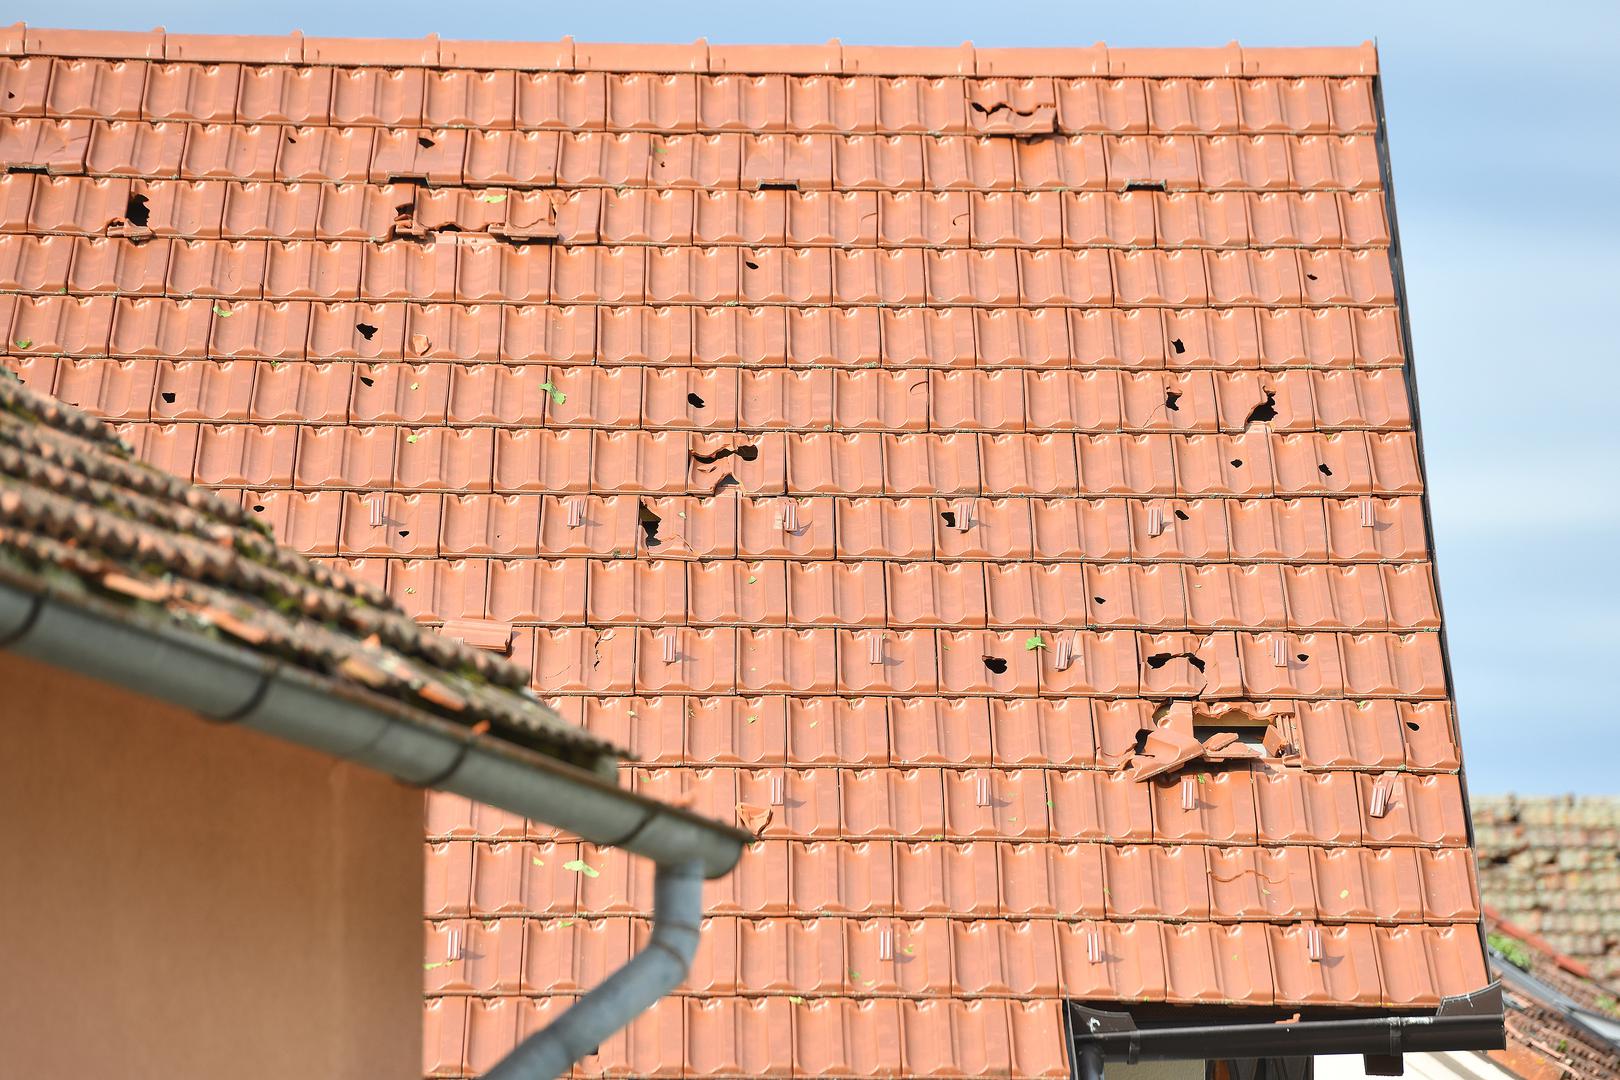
229	684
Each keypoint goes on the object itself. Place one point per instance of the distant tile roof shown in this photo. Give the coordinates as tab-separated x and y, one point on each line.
83	519
1552	866
988	474
1561	1023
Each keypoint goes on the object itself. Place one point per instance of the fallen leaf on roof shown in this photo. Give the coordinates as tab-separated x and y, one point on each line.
537	862
492	197
222	311
1343	893
1035	642
24	343
566	922
795	999
580	866
557	396
436	964
411	438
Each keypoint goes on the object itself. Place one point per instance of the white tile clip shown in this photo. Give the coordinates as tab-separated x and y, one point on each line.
1189	793
1279	651
1064	652
576	513
374	508
790	515
1383	791
964	515
886	944
982	789
666	642
1094	945
1369	513
1155	520
453	944
778	798
1313	944
874	649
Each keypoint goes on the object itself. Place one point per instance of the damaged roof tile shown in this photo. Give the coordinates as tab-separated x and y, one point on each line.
988	475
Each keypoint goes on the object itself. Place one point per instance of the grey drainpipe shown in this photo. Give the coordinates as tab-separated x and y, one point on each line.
230	684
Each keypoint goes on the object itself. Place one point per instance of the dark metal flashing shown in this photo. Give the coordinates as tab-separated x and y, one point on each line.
1466	1022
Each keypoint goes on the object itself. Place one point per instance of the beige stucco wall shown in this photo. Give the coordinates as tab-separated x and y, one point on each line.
180	899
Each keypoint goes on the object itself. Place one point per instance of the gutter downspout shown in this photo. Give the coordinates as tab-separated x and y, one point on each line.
230	684
649	975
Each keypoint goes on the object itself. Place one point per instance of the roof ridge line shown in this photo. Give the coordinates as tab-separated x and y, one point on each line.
699	57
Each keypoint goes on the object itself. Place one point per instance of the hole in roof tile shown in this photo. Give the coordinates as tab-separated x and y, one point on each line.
1178	345
1158	660
1302	657
1145	185
1172	400
694	401
1099	600
168	397
747	451
996	664
1310	277
1324	470
258	508
1182	515
403	533
368	380
291	141
1195	661
949	518
424	142
367	331
726	481
1412	725
1237	463
751	264
778	185
649	522
137	210
1265	412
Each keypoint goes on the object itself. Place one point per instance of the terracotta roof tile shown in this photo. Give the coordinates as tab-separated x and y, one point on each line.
872	439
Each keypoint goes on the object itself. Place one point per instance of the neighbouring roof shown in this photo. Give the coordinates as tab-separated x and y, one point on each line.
989	475
1552	866
80	518
1562	1024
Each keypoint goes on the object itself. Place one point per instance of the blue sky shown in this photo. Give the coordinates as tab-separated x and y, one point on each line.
1505	135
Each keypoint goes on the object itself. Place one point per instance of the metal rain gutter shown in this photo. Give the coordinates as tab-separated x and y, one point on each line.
233	685
1465	1022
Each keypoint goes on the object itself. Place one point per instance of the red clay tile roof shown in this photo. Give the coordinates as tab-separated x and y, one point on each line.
1552	867
80	518
929	458
1561	1023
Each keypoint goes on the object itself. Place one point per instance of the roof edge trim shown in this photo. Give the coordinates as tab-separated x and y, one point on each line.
227	684
830	58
